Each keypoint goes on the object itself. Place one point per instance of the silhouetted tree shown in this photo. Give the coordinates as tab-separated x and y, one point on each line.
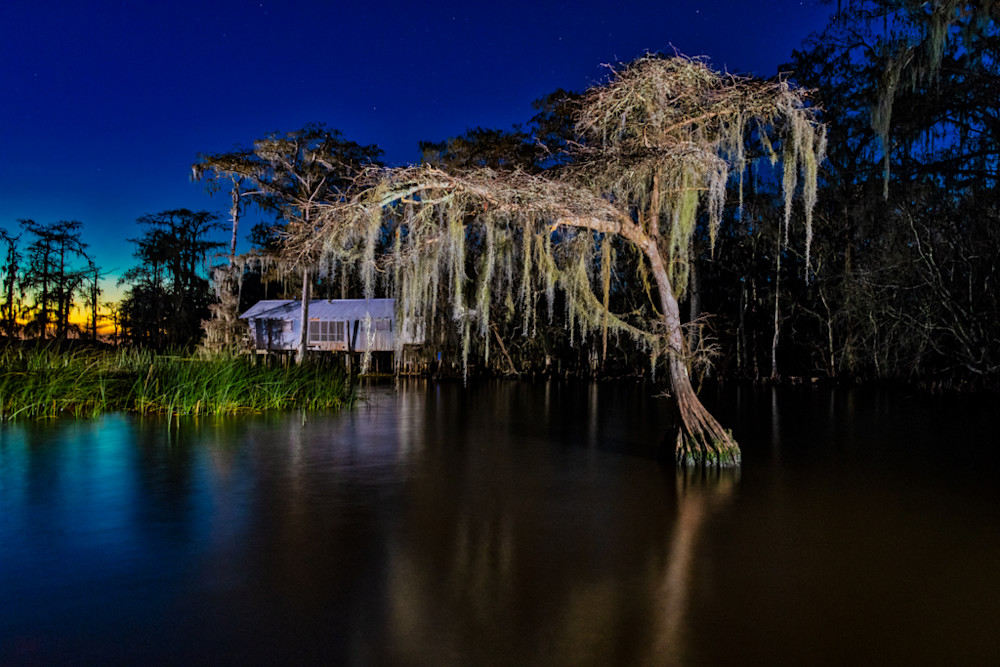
544	144
69	247
52	273
168	293
481	147
11	275
94	291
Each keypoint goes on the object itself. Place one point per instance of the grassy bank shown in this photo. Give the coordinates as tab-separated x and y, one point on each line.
44	382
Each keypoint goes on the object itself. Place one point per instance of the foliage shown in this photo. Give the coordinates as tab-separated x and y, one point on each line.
228	384
542	145
50	276
47	382
11	279
908	194
909	49
480	147
665	132
534	233
168	294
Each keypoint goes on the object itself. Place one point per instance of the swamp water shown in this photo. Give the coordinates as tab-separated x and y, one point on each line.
509	523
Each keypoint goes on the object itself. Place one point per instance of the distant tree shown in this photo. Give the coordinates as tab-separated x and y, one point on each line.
543	144
53	273
918	57
224	173
289	175
38	277
94	291
168	291
11	275
143	310
113	309
481	147
69	248
553	128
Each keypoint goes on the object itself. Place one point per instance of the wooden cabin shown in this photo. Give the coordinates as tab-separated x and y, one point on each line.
336	325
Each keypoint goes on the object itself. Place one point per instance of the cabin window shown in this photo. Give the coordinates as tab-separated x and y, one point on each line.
276	327
323	331
383	325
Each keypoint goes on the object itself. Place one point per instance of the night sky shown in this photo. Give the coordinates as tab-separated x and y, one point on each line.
105	105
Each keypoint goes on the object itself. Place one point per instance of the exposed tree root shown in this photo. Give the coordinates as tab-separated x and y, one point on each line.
701	440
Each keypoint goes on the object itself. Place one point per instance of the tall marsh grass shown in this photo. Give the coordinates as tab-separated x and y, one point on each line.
46	382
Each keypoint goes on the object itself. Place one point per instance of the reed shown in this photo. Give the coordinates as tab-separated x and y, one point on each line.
48	382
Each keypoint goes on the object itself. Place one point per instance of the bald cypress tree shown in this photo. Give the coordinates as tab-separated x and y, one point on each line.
662	135
168	293
11	270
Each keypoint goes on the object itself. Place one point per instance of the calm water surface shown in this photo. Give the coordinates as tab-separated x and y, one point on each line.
509	523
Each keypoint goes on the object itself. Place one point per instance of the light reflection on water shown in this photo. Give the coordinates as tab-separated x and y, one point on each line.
507	523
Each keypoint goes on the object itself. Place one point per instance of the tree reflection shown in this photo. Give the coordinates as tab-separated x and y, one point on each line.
523	552
700	495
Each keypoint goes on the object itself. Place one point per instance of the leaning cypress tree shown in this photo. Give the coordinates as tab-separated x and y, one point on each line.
481	245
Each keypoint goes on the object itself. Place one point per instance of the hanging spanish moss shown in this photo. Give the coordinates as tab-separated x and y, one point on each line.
671	130
913	41
882	112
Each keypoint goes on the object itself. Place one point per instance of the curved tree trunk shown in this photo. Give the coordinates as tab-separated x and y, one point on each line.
701	440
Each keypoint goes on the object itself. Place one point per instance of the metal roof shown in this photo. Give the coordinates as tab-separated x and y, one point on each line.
322	309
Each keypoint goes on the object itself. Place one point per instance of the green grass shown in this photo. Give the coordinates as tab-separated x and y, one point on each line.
45	382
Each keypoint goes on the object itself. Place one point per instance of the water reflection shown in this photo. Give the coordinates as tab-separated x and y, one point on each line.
700	494
554	563
505	523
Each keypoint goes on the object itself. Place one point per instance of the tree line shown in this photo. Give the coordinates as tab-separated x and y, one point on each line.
43	276
47	272
908	242
894	279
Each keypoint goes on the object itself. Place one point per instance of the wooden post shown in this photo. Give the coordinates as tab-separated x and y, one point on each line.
352	341
304	314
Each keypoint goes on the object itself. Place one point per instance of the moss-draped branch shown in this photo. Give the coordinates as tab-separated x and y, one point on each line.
662	139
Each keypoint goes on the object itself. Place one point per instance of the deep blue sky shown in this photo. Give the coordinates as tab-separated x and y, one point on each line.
105	105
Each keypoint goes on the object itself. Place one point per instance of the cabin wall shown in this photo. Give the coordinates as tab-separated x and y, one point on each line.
377	337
